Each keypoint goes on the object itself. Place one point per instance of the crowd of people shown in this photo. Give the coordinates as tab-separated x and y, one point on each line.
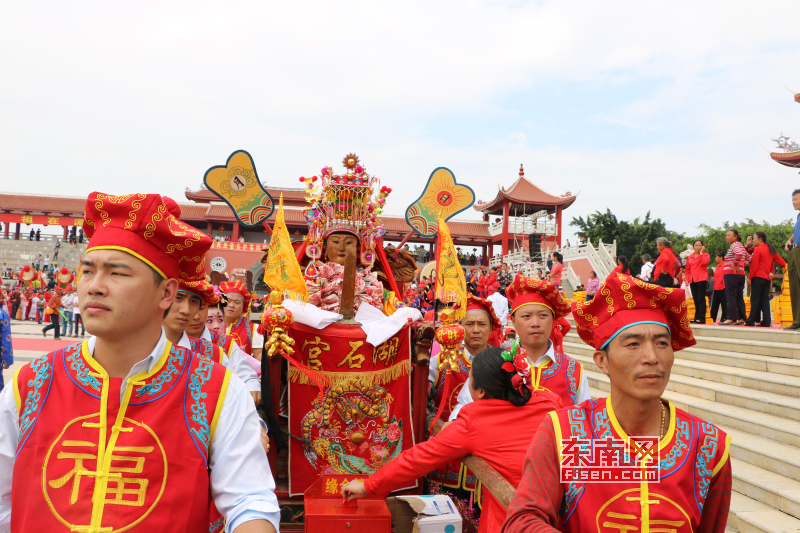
723	286
517	375
57	306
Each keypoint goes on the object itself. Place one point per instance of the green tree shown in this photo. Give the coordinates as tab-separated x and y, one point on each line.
639	236
777	234
634	239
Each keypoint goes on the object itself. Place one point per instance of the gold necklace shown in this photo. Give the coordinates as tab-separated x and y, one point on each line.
663	417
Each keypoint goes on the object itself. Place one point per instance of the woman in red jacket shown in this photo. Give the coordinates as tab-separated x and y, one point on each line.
482	279
665	264
622	266
697	278
503	399
761	268
718	299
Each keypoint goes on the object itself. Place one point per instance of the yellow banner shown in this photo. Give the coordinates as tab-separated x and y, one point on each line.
451	284
282	272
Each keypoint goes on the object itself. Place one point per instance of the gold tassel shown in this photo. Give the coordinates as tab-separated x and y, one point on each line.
378	377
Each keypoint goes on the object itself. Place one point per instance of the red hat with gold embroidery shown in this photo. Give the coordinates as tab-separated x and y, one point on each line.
476	303
535	291
202	288
624	301
237	287
145	227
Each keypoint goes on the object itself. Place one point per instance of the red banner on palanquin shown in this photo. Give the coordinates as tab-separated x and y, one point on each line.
362	419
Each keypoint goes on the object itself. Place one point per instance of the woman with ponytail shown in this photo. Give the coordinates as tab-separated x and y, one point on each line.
761	273
501	387
622	265
557	269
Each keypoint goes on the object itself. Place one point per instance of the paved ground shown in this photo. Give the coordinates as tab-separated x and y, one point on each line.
28	343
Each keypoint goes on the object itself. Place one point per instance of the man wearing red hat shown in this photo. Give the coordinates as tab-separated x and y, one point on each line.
479	322
537	313
127	431
635	328
192	303
239	326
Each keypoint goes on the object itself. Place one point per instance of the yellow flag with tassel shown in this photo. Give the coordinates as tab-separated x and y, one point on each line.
282	272
451	284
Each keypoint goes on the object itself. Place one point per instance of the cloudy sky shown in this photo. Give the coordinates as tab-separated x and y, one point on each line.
661	106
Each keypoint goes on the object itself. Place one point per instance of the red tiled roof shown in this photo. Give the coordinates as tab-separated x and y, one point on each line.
392	224
790	159
524	192
193	212
220	212
50	205
289	195
202	195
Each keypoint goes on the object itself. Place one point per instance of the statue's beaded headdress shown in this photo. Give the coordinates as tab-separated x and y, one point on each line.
345	203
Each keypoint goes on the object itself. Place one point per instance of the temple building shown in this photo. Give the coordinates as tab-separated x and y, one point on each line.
789	154
524	220
520	219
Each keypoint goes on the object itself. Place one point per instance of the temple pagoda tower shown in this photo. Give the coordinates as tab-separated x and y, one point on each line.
789	154
524	219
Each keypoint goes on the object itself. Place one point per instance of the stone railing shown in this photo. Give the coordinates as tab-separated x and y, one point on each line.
601	258
574	279
525	226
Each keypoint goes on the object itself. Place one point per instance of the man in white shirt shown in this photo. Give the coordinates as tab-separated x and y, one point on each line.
500	304
187	318
647	269
129	280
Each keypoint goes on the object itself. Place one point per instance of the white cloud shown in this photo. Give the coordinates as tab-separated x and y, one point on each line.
113	97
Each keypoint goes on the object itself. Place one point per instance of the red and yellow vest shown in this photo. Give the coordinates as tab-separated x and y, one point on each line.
223	341
242	332
691	453
90	463
212	351
561	377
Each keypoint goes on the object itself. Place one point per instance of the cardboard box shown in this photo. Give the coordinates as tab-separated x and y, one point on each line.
424	514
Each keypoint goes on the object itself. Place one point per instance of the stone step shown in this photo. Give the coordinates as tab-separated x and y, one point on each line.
757	347
763	363
753	379
750	516
775	490
757	423
763	453
746	333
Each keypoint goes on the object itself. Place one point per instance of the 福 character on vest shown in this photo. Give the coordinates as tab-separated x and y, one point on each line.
127	431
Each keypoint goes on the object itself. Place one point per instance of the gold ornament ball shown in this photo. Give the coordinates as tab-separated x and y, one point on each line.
357	438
